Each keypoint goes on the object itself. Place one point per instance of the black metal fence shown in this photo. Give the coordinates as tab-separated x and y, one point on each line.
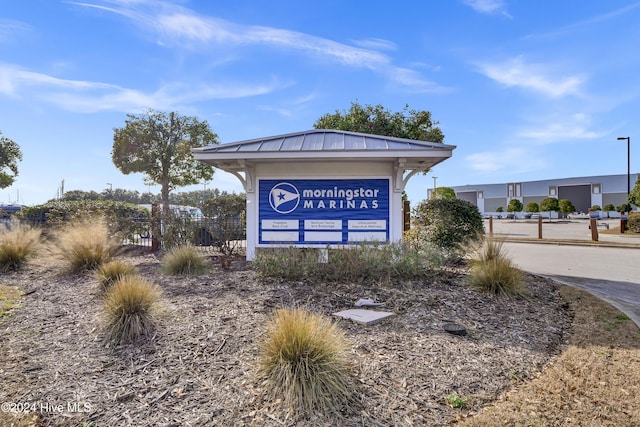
226	235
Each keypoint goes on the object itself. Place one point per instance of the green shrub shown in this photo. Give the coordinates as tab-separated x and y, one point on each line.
549	204
17	244
83	244
130	304
633	223
184	259
449	223
532	207
111	272
491	271
303	360
514	205
372	263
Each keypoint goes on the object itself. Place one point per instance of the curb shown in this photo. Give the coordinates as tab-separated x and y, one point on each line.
602	244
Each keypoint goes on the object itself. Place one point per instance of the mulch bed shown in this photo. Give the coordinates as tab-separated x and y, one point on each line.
199	368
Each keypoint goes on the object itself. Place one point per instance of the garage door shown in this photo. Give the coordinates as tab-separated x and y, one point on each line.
579	195
469	196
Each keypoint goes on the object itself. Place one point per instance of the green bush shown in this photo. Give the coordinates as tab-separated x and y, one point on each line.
491	271
449	223
633	223
184	259
130	307
304	362
372	263
549	204
111	272
514	205
532	207
17	244
83	244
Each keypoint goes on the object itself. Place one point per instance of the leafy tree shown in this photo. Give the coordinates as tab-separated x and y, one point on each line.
565	206
10	155
377	120
158	145
549	204
447	193
623	208
77	195
532	207
608	208
500	209
595	207
634	196
514	205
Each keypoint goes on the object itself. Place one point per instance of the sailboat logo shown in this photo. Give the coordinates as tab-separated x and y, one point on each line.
284	198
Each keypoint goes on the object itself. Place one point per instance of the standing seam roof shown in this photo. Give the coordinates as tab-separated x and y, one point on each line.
325	140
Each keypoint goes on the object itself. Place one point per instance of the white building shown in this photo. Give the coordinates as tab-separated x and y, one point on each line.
583	192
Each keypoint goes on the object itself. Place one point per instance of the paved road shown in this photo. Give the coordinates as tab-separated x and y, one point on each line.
612	274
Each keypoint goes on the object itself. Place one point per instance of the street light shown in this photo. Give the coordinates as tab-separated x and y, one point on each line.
434	186
628	138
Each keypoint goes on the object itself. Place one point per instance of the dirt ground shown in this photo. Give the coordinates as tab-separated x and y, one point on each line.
556	357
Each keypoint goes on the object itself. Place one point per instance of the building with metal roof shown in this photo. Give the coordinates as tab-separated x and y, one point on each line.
584	192
314	170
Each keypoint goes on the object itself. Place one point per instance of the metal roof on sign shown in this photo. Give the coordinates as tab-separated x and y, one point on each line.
323	140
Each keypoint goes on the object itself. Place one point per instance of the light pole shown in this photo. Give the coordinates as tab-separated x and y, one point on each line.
628	138
434	186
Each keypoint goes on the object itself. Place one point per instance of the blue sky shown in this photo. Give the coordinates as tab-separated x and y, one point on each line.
526	90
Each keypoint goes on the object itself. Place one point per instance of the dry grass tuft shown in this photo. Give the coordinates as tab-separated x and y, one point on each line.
491	271
130	307
303	360
184	259
111	272
17	244
84	245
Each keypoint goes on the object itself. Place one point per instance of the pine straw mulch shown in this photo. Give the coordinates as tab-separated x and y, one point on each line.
199	368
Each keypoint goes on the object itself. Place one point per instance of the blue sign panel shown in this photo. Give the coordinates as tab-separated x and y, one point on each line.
323	211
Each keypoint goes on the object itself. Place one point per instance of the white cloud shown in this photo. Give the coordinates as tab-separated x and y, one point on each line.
376	43
86	96
517	73
181	27
515	160
488	6
574	127
9	28
413	79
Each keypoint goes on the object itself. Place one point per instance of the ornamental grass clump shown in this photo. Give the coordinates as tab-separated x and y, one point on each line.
17	244
304	361
84	244
184	260
492	272
130	306
109	273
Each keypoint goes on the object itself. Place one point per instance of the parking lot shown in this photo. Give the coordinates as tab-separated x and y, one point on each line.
555	229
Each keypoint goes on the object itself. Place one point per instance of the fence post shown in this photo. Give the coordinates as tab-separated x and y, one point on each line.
155	227
540	227
593	225
490	225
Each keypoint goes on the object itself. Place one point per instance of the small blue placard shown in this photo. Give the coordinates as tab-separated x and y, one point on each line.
303	212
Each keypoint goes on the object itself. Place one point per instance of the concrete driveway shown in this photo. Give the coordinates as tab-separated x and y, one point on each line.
610	273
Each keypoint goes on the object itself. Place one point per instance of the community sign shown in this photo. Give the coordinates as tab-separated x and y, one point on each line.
323	211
